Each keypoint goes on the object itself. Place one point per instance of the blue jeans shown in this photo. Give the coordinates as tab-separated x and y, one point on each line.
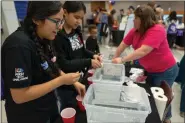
67	98
98	34
182	103
169	76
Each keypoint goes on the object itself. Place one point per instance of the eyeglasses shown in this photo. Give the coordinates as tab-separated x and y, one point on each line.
57	22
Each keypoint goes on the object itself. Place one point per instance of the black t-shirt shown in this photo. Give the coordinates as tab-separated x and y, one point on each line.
92	44
21	67
76	44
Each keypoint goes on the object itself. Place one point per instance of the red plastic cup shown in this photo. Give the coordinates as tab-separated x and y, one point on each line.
141	79
89	80
68	115
91	72
80	105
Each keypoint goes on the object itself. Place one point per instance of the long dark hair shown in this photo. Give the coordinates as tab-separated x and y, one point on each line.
172	16
147	16
74	6
40	10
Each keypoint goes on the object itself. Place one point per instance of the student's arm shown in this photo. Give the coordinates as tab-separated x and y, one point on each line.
139	53
18	76
22	95
127	41
151	41
72	65
120	49
88	54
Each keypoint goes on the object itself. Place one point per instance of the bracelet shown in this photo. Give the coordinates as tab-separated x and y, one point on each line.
122	61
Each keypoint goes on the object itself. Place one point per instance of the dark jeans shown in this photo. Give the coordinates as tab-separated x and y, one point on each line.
169	76
181	78
171	40
98	34
34	117
182	103
67	98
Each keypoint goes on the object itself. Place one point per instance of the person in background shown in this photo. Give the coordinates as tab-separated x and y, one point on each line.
123	23
130	23
111	20
149	41
71	53
171	27
152	4
159	13
96	13
181	80
91	42
102	19
104	29
98	23
182	103
29	67
119	18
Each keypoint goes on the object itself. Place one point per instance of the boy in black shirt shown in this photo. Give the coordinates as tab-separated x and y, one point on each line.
91	42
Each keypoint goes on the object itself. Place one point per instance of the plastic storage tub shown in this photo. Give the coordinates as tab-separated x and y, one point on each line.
109	73
103	104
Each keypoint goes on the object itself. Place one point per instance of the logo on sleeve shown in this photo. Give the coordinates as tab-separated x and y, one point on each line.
45	65
19	75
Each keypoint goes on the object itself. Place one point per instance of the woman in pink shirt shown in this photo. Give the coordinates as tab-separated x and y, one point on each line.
151	48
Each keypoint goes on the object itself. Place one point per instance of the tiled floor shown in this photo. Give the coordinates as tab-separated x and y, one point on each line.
176	88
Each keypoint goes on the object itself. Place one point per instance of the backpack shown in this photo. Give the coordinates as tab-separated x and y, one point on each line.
104	30
104	18
172	29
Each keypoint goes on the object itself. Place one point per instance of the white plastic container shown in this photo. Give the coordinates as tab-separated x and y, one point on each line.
109	73
103	104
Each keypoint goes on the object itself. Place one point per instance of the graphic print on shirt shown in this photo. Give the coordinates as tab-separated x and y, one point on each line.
19	75
75	42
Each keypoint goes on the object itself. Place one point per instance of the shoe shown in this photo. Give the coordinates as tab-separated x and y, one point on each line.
107	47
182	114
167	121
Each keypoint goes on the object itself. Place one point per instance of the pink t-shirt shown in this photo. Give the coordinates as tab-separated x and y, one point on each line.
161	57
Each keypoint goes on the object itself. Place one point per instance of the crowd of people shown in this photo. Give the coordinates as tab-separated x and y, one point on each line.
44	60
124	21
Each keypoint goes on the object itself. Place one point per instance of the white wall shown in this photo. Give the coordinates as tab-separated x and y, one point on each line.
9	18
88	10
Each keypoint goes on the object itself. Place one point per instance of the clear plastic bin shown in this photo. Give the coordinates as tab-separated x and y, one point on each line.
110	73
103	104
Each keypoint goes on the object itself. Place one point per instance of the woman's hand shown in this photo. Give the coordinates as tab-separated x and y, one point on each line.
70	78
117	60
95	63
80	88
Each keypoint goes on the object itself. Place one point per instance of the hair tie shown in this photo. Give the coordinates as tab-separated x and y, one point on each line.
54	59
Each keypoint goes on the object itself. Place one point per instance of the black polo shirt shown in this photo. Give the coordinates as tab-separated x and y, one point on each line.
21	67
